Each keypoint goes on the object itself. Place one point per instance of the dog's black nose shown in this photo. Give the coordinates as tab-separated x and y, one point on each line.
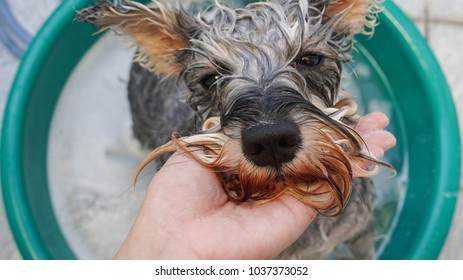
271	144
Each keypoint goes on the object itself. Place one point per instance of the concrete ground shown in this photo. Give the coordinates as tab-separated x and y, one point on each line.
440	22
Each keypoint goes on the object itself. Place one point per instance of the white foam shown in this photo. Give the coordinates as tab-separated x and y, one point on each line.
92	155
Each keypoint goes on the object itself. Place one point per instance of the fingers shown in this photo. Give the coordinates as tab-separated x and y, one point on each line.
371	128
381	139
376	151
371	122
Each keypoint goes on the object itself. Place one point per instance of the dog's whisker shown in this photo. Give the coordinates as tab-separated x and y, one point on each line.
125	191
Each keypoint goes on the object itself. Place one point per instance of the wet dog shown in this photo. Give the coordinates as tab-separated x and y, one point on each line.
263	84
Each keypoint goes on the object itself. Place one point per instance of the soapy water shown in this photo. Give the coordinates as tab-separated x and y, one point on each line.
365	76
92	154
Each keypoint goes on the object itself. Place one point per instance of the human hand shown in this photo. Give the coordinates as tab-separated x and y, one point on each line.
187	215
371	128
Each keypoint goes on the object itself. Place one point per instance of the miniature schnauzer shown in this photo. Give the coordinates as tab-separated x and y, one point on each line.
263	81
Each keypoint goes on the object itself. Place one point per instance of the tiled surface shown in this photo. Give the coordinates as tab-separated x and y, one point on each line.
445	10
441	22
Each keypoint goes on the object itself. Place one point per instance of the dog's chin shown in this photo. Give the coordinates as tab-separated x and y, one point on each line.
320	177
263	185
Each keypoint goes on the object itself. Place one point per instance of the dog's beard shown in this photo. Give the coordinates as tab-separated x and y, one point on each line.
320	175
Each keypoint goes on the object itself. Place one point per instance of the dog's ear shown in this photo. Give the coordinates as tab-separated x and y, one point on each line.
355	16
161	31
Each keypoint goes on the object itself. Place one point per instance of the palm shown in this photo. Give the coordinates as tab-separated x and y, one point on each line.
219	227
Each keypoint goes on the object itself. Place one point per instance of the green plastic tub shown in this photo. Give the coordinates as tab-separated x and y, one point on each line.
402	75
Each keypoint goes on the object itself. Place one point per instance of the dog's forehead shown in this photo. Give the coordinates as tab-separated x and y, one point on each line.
261	31
262	22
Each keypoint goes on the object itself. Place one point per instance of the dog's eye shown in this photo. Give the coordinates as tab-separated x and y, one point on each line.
311	60
210	80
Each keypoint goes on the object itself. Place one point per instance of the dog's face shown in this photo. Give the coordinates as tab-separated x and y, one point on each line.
270	72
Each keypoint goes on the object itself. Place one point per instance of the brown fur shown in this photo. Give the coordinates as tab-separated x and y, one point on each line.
360	15
154	30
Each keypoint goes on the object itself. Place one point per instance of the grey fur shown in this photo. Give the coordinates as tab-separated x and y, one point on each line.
158	107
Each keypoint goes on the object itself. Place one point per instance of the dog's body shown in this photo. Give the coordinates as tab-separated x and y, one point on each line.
271	73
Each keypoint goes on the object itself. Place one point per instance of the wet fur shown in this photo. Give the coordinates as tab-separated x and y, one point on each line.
257	53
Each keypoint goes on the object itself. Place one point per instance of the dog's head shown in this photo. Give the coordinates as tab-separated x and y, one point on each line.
267	76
